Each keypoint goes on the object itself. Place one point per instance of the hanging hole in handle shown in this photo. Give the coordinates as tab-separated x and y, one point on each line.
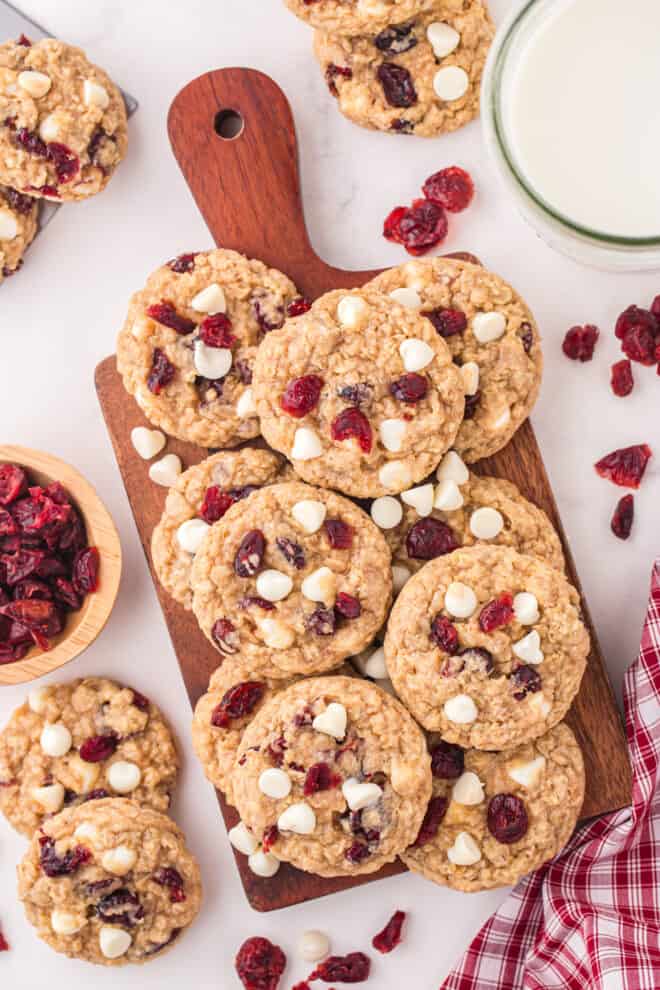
228	124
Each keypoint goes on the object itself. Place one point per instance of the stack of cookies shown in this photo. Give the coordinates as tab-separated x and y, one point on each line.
402	66
348	730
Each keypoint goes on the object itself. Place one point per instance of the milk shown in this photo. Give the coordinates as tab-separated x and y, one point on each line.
581	113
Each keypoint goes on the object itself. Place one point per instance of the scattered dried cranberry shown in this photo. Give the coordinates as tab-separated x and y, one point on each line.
625	467
452	188
298	306
396	40
215	331
292	552
526	681
249	600
61	866
331	74
448	322
13	482
433	818
347	606
121	907
637	319
23	40
18	201
225	636
85	575
497	613
167	876
239	701
270	837
390	937
622	378
4	945
352	423
39	618
410	388
355	394
430	538
321	622
447	761
140	701
215	504
580	342
402	126
623	517
444	634
162	372
97	794
507	818
477	660
320	778
65	594
339	533
66	162
526	335
419	228
98	748
301	395
353	968
250	554
639	345
357	852
184	263
165	314
260	964
398	86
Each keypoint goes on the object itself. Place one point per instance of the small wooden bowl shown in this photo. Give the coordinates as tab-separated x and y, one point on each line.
81	628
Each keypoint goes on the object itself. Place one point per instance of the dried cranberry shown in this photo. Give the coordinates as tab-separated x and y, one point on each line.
244	371
321	622
320	778
41	619
66	162
61	866
20	565
471	404
396	40
249	600
447	761
356	394
270	837
353	968
390	937
250	554
85	576
352	423
167	876
18	201
391	225
402	126
266	323
332	72
444	634
433	818
292	552
477	660
23	40
622	378
184	263
215	504
97	795
452	188
526	336
339	533
623	517
239	701
639	345
29	588
430	538
625	467
301	395
66	595
526	681
141	702
215	331
347	606
13	482
297	307
98	748
165	313
4	944
507	818
655	309
580	342
448	322
410	388
497	613
635	318
419	228
260	964
357	852
30	142
120	907
398	86
225	636
276	750
162	372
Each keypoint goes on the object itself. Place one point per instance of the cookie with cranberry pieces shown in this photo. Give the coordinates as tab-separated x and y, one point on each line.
187	349
75	743
348	17
494	817
335	772
63	126
487	647
421	75
492	336
292	580
200	497
360	394
110	883
18	225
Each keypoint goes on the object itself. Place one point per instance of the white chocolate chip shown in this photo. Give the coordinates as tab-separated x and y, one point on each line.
114	942
119	860
451	83
191	533
275	783
37	84
141	328
210	300
166	470
460	709
452	468
539	701
38	699
124	777
528	648
526	608
400	575
395	475
50	797
298	818
8	226
406	297
465	851
306	445
386	512
332	721
242	839
486	523
86	831
95	95
443	38
416	354
273	585
246	405
501	420
211	362
460	600
276	635
351	310
359	796
313	946
64	923
468	789
392	432
55	739
527	774
320	586
470	376
448	496
372	666
420	498
309	514
49	128
487	327
146	442
263	864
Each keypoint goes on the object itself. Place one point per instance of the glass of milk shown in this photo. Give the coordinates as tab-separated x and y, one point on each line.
571	115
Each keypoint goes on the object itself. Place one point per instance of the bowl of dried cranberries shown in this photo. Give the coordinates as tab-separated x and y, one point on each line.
60	564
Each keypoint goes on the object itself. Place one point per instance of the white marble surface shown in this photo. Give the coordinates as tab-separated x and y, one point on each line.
60	317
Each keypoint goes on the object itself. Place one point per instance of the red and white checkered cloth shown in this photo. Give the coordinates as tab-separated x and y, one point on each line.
590	919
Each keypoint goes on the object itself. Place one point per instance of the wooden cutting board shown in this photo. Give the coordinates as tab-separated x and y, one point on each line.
248	191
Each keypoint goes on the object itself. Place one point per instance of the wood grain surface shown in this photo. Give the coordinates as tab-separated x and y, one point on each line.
248	191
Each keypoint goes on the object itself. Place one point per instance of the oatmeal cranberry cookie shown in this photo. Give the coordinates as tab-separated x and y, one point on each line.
63	128
347	17
334	774
110	882
492	337
419	77
200	497
18	225
494	817
360	394
292	580
188	345
487	647
77	742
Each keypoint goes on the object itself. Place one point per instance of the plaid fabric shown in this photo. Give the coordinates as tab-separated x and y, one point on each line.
590	919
